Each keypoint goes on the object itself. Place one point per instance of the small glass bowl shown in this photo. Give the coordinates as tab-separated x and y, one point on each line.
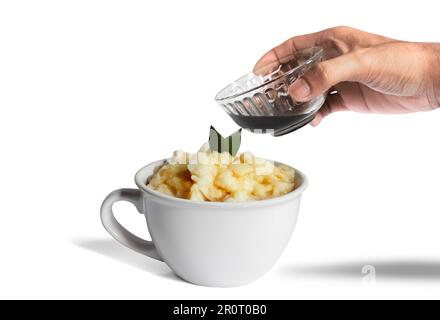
260	101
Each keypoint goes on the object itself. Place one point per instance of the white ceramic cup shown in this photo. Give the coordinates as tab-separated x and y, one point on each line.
218	244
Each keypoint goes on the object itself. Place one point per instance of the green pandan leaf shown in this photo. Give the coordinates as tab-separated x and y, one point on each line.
229	144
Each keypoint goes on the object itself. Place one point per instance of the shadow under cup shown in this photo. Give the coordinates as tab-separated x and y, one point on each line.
208	243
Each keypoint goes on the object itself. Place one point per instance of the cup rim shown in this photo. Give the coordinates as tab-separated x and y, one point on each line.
141	178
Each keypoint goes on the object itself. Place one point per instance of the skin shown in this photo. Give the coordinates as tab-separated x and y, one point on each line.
368	72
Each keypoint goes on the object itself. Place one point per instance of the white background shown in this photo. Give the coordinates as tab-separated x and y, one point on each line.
90	91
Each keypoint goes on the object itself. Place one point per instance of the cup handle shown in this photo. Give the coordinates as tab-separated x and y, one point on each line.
117	231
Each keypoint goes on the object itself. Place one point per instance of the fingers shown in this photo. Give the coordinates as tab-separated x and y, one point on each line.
335	41
333	103
278	54
350	59
348	67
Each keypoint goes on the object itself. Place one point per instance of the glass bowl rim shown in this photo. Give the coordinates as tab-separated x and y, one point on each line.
317	52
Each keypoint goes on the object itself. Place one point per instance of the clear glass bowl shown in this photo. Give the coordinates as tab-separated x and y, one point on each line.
260	101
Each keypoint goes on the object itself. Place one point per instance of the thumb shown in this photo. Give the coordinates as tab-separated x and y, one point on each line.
326	74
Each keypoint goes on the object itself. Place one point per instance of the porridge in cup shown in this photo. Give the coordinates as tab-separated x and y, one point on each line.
211	176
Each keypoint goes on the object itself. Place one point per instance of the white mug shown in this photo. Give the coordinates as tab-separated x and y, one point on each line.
220	244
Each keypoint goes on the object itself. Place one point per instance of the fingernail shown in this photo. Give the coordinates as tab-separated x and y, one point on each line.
300	89
317	120
314	122
264	62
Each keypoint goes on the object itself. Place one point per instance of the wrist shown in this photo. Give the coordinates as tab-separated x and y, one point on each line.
435	70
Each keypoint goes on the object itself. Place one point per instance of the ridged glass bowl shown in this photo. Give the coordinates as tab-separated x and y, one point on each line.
260	101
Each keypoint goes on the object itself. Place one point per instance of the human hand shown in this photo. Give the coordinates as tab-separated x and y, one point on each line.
366	72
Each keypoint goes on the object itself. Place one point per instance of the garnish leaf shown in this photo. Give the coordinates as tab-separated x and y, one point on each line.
229	144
